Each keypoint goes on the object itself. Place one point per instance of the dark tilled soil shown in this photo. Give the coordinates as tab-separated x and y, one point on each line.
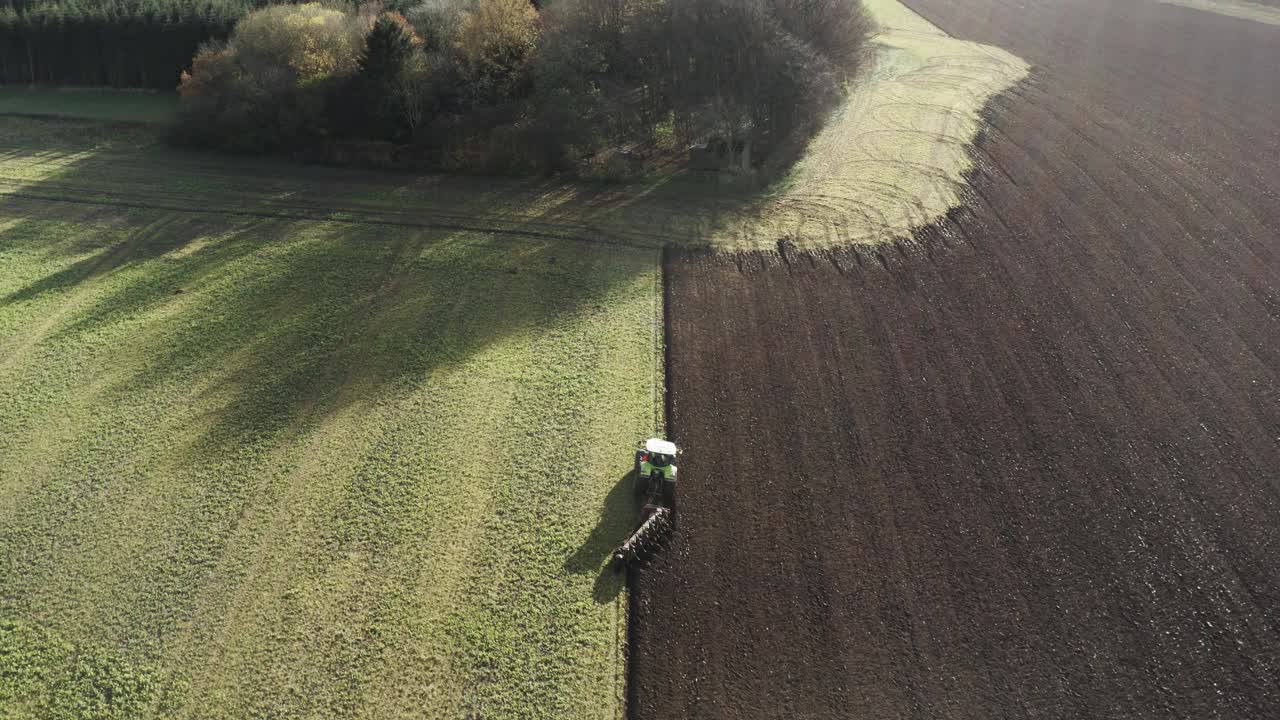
1025	464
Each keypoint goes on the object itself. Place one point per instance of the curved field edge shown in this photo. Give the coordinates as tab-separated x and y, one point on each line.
895	156
257	467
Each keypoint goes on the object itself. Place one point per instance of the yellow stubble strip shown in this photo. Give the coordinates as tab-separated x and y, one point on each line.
894	156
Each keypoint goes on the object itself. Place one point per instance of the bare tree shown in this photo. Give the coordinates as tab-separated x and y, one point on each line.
413	84
836	29
736	71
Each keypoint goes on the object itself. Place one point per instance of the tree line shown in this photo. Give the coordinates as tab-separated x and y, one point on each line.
116	43
516	86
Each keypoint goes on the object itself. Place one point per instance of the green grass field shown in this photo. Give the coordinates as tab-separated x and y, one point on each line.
267	463
101	104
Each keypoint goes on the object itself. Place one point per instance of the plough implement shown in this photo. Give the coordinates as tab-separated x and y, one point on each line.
655	481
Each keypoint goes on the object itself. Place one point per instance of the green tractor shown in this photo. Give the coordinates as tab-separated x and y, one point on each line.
655	476
655	482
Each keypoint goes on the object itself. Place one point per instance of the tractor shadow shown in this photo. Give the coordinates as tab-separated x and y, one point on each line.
617	520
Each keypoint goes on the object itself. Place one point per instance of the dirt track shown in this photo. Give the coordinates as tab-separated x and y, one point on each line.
1026	464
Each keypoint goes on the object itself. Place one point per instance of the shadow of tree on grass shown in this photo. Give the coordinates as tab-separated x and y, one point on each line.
163	235
244	330
617	519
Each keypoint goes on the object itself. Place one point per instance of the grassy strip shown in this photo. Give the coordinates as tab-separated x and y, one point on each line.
287	469
93	103
894	156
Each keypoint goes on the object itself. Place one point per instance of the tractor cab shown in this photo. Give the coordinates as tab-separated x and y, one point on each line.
656	471
657	459
655	484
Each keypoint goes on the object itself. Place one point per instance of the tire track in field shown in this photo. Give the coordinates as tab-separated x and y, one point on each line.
428	221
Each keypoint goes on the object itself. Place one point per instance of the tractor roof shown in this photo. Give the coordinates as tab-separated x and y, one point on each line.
660	447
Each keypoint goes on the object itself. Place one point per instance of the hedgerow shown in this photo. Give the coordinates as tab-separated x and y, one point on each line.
504	86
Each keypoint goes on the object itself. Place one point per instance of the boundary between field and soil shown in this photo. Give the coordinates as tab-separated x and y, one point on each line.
662	427
894	156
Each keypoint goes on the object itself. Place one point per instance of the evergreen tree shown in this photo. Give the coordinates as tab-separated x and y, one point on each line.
389	48
122	43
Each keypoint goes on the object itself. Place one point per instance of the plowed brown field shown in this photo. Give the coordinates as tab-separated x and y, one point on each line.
1026	463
